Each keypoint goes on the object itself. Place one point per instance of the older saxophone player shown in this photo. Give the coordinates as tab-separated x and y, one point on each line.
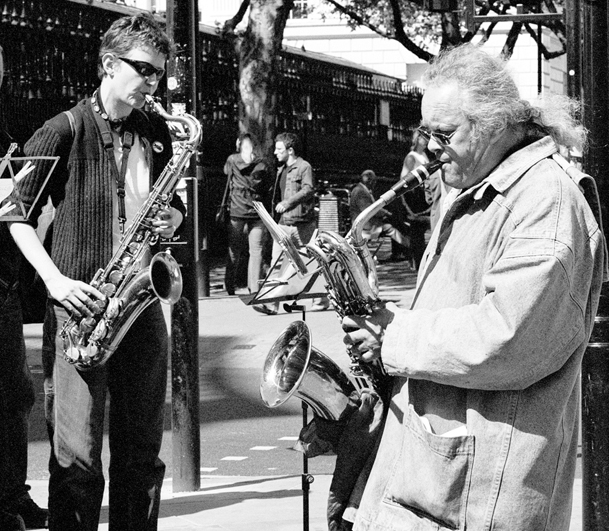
482	428
110	157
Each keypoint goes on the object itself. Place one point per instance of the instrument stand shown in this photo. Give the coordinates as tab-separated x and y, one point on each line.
306	478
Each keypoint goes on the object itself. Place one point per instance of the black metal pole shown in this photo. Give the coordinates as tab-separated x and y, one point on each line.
539	63
306	478
573	21
182	90
595	367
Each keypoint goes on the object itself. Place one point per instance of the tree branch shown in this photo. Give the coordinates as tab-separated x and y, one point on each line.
399	35
547	54
228	28
510	41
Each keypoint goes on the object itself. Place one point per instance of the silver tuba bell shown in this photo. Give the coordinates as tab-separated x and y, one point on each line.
293	367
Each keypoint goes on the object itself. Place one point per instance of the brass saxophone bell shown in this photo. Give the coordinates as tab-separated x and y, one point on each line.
294	368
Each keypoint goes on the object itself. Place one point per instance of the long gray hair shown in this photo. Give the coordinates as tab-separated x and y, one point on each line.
491	99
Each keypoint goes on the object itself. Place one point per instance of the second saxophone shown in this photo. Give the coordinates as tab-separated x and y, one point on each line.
89	342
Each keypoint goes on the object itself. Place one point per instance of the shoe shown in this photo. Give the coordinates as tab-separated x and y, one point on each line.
34	517
11	522
266	309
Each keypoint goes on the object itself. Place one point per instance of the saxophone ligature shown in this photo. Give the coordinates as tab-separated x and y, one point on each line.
129	288
292	366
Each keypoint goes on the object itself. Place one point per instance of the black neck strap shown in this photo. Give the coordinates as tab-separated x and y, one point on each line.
104	126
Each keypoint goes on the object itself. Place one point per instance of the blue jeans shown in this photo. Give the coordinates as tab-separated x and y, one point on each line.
244	234
136	379
16	398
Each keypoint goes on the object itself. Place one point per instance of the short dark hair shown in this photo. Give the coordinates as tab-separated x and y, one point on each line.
290	140
368	173
136	31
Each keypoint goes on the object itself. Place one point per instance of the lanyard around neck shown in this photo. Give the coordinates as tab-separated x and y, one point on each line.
103	123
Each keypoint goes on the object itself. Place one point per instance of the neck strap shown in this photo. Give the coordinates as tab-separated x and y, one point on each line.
105	126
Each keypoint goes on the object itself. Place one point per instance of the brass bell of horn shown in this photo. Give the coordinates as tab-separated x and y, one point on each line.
294	368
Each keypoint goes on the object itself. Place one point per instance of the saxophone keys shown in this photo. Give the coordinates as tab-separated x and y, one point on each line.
71	354
115	278
86	325
100	331
109	288
92	352
113	309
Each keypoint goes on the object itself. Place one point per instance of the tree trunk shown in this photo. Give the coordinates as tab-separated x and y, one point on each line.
258	65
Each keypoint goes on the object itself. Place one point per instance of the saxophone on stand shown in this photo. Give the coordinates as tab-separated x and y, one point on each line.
293	367
128	288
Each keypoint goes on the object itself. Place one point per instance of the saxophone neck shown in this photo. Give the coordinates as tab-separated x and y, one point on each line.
190	122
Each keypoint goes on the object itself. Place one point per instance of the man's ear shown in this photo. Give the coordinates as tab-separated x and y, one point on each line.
108	63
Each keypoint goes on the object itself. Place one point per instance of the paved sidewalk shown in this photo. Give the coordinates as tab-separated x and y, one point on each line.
268	503
256	503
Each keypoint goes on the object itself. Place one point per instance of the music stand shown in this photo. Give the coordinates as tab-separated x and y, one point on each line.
12	170
294	276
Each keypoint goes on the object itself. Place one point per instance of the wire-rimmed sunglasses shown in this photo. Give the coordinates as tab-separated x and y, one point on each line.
144	69
442	139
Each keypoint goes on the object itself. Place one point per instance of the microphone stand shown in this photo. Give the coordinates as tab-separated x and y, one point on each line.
305	478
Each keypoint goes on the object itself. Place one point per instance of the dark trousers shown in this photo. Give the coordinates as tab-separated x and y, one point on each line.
245	236
16	399
136	379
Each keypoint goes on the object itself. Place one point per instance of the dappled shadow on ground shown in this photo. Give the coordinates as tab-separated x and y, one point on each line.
206	500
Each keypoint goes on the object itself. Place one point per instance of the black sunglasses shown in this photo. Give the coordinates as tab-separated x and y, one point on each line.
144	69
440	138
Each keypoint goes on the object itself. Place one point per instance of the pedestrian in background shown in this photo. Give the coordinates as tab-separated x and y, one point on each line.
294	203
383	222
249	180
482	428
17	509
414	203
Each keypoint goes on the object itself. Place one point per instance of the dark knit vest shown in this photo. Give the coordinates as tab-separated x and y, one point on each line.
81	185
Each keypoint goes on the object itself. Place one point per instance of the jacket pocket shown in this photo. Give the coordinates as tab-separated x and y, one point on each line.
432	474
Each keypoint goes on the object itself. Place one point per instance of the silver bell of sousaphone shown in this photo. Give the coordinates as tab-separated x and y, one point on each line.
293	367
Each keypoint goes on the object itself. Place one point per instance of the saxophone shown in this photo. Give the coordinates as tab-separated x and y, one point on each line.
350	272
128	288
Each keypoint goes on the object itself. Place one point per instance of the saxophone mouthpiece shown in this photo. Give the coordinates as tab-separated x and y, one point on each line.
416	177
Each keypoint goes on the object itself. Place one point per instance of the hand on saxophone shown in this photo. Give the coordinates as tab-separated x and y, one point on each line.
78	298
364	334
166	221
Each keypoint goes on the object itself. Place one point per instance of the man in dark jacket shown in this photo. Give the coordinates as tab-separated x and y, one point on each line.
295	186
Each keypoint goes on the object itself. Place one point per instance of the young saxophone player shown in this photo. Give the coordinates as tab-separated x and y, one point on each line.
111	155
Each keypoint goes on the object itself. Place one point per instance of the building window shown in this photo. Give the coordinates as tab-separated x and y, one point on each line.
300	9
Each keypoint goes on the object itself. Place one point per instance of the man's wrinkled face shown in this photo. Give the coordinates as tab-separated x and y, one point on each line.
281	152
467	160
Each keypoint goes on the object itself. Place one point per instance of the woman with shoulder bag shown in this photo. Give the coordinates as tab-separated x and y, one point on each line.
248	181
